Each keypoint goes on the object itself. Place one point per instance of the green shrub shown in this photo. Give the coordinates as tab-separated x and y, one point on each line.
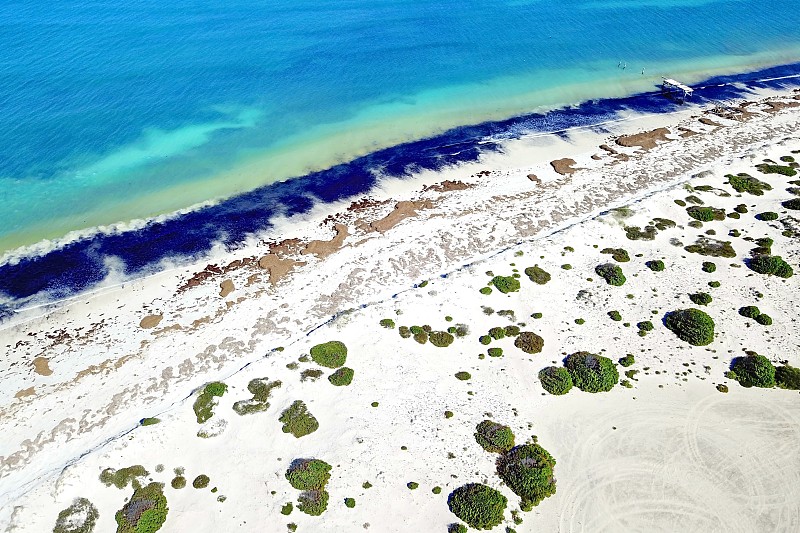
441	339
537	275
529	342
416	330
754	371
123	477
591	372
145	512
485	340
412	485
741	209
485	290
436	490
709	267
349	502
691	325
566	266
705	214
310	373
749	311
783	170
313	502
204	404
330	354
479	506
421	337
342	377
528	471
793	204
178	482
80	517
767	216
536	316
645	325
506	284
619	255
627	361
448	414
787	377
745	183
722	388
556	380
149	421
615	316
772	265
260	388
388	323
764	319
404	332
463	376
580	321
201	481
287	509
512	331
700	298
297	420
611	273
308	474
495	352
711	247
497	333
494	437
656	265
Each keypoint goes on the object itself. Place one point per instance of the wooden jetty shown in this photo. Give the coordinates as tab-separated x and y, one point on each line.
675	89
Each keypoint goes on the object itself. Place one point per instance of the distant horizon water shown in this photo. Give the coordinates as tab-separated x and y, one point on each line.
113	113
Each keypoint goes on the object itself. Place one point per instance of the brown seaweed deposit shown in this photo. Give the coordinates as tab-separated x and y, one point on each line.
646	140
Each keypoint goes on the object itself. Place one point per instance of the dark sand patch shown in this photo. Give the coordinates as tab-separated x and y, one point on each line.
323	249
278	267
646	140
447	186
564	166
150	321
226	287
402	211
24	393
41	366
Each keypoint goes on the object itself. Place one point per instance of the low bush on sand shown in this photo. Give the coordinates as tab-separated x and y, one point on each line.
753	370
332	354
705	214
611	273
656	265
627	361
529	342
700	298
308	474
123	477
619	255
556	380
387	323
709	267
749	311
537	275
528	471
744	183
297	420
772	265
793	204
711	247
787	377
764	319
478	505
767	216
463	376
260	388
201	481
342	377
591	372
494	437
205	402
313	502
145	512
506	284
691	325
441	339
80	517
615	316
768	168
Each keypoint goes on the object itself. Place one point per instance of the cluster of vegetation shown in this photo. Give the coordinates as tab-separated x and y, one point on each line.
767	216
700	298
123	477
691	325
751	311
312	374
178	482
705	214
528	471
619	255
529	342
145	512
787	377
494	437
204	404
793	204
753	370
260	388
387	323
463	376
441	339
201	481
342	377
331	354
635	233
349	503
656	265
627	361
772	265
711	247
742	183
412	485
297	420
767	168
556	380
310	476
644	327
478	505
80	517
615	316
591	372
537	275
505	284
611	273
709	267
287	509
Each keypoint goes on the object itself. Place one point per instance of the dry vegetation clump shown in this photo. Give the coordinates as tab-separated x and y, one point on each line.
711	247
529	342
260	388
145	512
310	476
537	275
123	477
619	255
80	517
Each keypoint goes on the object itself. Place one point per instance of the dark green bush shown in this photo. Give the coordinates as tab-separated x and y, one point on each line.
123	477
617	254
456	528
308	474
793	204
767	216
705	214
611	273
494	437
201	481
528	471
700	298
436	490
529	342
479	506
331	354
627	361
537	275
441	339
656	265
691	325
80	517
754	371
287	508
764	319
463	376
297	420
783	170
178	482
749	311
645	325
497	333
512	331
485	290
506	284
342	377
260	388
204	404
746	183
556	380
485	340
412	485
709	267
150	421
615	316
591	372
350	502
387	323
145	512
313	502
772	265
495	352
787	377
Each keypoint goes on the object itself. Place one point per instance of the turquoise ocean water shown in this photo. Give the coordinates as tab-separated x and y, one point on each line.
111	112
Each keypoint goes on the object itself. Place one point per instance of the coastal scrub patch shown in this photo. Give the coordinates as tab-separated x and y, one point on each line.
749	311
764	319
537	275
709	267
497	333
297	420
591	372
529	342
201	481
123	477
656	265
528	472
705	214
793	204
260	388
700	298
753	370
80	517
205	402
308	474
349	503
611	273
627	361
287	509
478	505
342	377
772	265
767	168
619	255
556	380
387	323
767	216
495	352
331	354
691	325
312	374
313	502
505	284
178	482
744	183
463	376
711	247
145	512
494	437
615	316
787	377
441	339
